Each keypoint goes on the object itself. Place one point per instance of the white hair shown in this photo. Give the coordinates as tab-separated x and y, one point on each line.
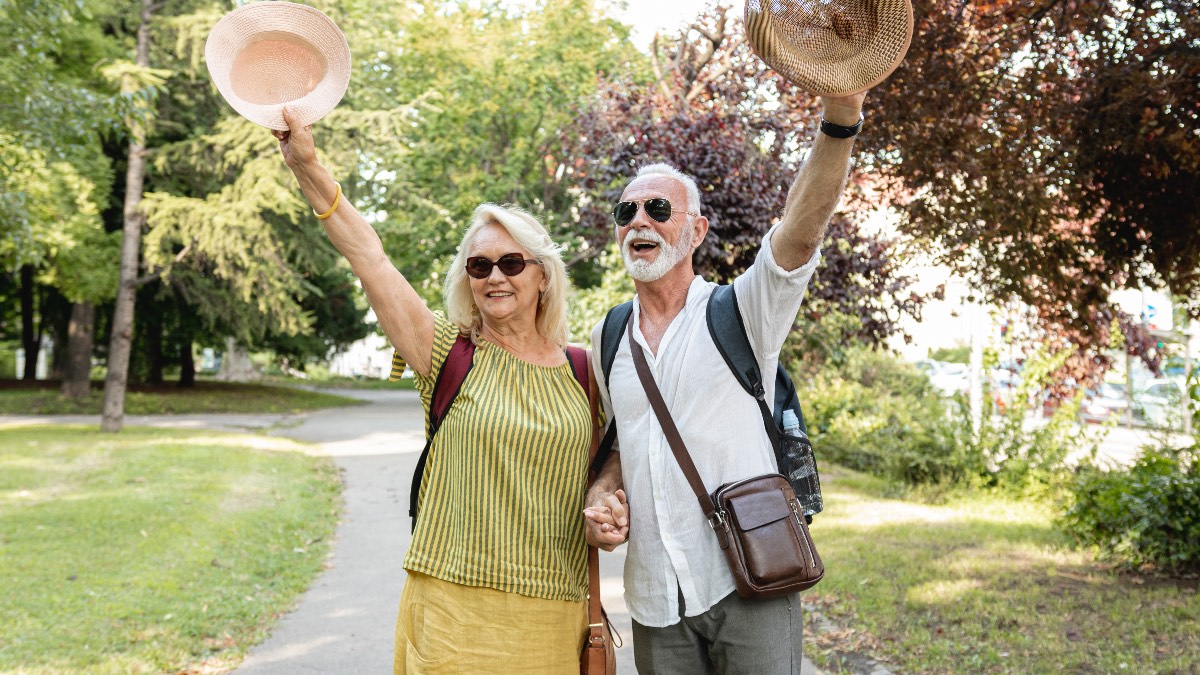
689	183
532	236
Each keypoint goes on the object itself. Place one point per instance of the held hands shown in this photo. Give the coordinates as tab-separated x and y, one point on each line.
296	144
606	521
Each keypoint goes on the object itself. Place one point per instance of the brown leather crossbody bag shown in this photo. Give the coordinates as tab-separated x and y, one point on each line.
757	520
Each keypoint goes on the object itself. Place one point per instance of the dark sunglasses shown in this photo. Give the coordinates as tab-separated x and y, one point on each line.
510	264
658	208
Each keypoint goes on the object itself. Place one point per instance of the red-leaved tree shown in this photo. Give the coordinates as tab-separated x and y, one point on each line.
715	112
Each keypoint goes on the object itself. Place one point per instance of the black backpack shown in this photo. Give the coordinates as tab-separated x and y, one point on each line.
450	379
729	333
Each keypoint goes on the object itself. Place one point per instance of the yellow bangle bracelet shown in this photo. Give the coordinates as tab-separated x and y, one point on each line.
337	199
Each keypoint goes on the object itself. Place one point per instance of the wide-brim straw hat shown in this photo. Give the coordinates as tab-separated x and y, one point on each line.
267	55
830	47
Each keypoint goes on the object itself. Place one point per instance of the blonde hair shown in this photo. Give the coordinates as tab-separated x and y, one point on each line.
532	236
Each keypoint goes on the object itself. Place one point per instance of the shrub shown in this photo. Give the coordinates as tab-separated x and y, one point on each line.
1028	458
1149	513
878	414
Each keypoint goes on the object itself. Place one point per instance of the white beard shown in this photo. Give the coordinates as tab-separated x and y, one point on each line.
668	256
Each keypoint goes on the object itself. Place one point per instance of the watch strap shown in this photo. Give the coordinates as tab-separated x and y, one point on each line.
840	131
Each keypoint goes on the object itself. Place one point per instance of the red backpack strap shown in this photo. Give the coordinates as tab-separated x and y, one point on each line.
579	365
449	381
454	371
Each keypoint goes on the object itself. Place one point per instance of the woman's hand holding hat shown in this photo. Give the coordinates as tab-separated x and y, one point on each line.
296	144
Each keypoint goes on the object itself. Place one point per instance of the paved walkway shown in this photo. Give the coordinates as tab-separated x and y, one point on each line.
344	623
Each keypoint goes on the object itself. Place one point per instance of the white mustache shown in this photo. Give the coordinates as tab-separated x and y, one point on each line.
646	235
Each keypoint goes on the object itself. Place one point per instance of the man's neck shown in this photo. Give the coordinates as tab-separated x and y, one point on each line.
661	301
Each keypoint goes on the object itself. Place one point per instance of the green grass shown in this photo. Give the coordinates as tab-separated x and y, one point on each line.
983	584
43	398
152	551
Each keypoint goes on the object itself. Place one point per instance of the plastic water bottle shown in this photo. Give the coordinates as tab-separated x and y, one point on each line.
800	466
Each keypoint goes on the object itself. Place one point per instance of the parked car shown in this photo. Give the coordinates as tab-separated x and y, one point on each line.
1108	401
1160	401
1004	384
948	378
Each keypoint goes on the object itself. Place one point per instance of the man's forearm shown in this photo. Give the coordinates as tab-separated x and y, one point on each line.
607	481
812	200
818	188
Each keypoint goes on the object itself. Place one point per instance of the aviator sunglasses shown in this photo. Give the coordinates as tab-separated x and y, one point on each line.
658	208
510	264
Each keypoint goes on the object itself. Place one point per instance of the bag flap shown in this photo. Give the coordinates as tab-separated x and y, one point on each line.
759	508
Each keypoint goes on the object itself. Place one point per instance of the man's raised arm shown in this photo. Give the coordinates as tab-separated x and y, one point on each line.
818	187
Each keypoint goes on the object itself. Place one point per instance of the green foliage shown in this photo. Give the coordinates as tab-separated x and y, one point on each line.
589	305
878	414
53	223
952	354
1020	457
338	310
1146	514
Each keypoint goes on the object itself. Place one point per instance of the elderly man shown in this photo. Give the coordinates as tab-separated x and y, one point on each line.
687	617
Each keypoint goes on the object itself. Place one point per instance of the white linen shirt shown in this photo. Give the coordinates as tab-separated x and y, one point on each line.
671	546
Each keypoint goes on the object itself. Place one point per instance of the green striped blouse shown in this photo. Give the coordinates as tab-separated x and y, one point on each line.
501	500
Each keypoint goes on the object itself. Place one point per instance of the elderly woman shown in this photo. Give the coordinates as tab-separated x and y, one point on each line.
497	565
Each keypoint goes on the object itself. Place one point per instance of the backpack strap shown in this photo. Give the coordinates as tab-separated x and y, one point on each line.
610	341
728	332
610	335
450	379
578	357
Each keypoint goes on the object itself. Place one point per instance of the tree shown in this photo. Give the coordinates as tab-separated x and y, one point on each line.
1050	151
54	180
486	88
710	108
115	382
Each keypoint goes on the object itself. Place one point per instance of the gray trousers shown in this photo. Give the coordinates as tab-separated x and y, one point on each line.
751	637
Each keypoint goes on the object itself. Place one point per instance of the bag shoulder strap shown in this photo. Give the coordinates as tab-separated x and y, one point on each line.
674	439
578	358
450	379
728	332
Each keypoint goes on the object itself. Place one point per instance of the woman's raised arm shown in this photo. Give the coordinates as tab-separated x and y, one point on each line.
405	318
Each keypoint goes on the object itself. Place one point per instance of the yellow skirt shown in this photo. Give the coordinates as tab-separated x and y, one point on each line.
445	627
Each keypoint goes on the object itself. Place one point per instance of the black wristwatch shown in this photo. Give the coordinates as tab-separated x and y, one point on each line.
839	131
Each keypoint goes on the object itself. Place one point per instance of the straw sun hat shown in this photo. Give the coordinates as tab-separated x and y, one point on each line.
267	55
830	47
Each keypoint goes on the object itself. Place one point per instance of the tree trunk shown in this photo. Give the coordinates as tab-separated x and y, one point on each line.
30	341
77	380
113	412
187	364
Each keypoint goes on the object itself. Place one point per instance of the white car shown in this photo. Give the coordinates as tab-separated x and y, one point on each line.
1160	402
1100	404
948	378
